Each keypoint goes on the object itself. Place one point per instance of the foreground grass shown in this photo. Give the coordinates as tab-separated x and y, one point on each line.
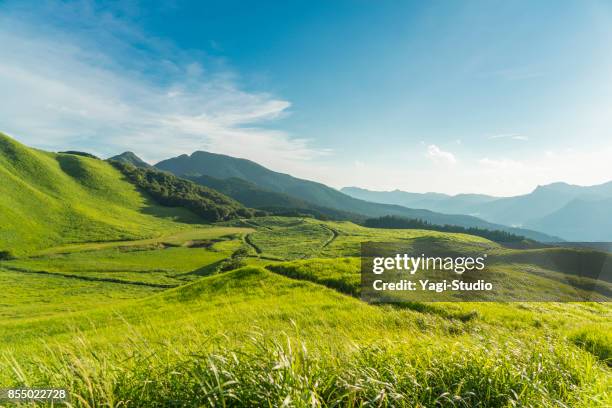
293	333
283	371
250	337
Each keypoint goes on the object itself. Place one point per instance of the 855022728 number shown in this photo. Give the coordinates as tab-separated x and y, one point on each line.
33	394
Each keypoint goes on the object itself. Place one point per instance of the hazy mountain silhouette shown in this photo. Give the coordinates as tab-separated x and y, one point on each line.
559	209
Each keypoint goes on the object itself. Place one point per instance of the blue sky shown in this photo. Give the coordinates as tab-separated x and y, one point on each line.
449	96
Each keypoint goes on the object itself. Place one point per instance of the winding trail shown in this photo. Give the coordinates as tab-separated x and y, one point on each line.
249	242
335	235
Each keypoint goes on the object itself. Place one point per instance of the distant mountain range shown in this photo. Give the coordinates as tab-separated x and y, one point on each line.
575	213
460	204
222	172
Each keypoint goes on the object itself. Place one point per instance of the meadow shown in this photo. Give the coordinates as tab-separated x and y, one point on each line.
164	326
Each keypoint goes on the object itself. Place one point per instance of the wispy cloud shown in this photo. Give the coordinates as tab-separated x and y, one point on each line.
512	136
96	82
518	73
437	155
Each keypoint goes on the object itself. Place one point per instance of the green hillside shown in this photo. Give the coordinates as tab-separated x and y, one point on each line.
253	196
49	199
173	191
221	166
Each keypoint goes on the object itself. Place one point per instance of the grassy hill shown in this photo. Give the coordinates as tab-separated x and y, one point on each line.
49	199
223	167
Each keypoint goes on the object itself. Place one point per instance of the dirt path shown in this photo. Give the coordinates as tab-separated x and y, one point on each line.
335	235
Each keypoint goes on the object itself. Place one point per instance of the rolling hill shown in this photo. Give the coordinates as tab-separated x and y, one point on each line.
49	199
223	167
172	191
251	195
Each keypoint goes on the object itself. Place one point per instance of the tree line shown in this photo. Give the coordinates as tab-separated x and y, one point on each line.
396	222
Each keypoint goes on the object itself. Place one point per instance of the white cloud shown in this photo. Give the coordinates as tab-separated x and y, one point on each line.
107	88
435	154
512	136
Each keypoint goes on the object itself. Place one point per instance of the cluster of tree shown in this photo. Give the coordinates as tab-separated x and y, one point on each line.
237	260
395	222
173	191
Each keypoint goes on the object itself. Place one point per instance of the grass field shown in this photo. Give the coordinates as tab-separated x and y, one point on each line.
127	303
287	330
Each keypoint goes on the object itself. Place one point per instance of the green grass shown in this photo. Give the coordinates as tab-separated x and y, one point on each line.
49	199
301	342
594	340
183	237
341	274
25	296
170	266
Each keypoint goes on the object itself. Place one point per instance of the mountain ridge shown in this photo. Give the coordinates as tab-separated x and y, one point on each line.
222	166
532	210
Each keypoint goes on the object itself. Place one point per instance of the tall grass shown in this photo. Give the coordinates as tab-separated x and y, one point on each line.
283	371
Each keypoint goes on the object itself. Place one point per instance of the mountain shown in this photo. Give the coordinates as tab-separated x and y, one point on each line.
131	158
49	199
223	167
545	209
582	220
458	204
544	200
250	195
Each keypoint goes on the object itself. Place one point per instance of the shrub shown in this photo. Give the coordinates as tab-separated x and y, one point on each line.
6	255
